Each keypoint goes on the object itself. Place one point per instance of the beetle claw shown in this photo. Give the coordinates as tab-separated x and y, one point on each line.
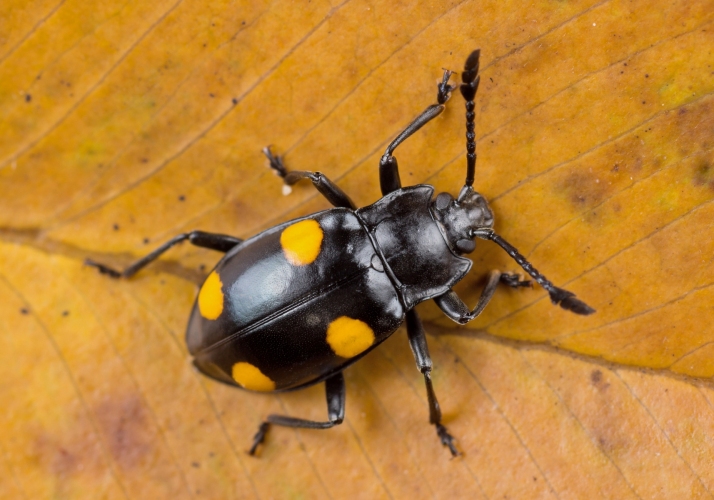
103	269
259	437
447	439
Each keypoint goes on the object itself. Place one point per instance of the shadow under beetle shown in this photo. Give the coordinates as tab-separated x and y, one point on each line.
298	303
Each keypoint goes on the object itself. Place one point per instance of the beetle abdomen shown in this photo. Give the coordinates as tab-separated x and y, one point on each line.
293	305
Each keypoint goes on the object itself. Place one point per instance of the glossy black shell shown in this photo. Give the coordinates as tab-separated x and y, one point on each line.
373	265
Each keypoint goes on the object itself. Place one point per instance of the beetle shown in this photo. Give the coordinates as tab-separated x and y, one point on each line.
298	303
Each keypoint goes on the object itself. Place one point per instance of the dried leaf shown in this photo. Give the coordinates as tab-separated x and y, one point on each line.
127	123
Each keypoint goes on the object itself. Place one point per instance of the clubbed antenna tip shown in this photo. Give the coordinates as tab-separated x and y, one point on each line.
471	66
468	88
568	301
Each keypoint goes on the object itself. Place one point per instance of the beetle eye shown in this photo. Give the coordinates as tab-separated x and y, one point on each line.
466	246
443	200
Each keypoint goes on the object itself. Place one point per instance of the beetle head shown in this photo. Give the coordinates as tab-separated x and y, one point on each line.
461	217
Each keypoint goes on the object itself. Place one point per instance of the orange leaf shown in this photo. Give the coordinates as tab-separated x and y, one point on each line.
127	123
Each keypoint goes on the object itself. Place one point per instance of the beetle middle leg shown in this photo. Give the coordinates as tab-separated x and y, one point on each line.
388	169
325	186
214	241
417	341
335	394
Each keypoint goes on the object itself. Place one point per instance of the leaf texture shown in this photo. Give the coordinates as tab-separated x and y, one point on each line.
125	123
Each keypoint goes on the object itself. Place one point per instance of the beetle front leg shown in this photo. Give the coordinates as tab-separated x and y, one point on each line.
417	341
388	169
335	393
457	310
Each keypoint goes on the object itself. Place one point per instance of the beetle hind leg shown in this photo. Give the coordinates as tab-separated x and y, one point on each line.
214	241
417	341
335	394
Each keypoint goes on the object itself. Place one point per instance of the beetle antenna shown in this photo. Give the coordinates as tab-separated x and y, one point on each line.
470	79
558	296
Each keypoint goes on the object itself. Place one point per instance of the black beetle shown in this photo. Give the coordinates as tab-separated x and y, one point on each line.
298	303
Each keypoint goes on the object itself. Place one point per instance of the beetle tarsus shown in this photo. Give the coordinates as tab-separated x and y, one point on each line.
259	437
444	89
113	273
447	439
276	163
515	280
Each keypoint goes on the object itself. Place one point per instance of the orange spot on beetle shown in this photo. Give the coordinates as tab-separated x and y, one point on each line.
349	337
250	377
301	242
210	298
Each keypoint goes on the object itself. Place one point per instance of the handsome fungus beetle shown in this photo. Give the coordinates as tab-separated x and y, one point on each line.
298	303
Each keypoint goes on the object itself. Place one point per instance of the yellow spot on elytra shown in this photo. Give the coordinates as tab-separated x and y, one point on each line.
250	377
210	298
348	337
301	242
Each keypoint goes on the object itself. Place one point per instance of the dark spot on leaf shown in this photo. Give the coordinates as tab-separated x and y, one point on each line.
597	380
234	101
123	422
24	310
145	240
212	95
65	313
586	188
115	227
704	174
195	465
28	97
181	198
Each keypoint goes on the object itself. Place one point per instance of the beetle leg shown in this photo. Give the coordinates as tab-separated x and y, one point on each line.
388	169
214	241
325	186
417	341
335	393
457	310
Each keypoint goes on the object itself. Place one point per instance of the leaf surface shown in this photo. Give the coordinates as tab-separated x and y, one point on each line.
129	122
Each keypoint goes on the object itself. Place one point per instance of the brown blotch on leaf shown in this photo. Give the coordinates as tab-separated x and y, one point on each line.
704	174
586	188
596	379
124	423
